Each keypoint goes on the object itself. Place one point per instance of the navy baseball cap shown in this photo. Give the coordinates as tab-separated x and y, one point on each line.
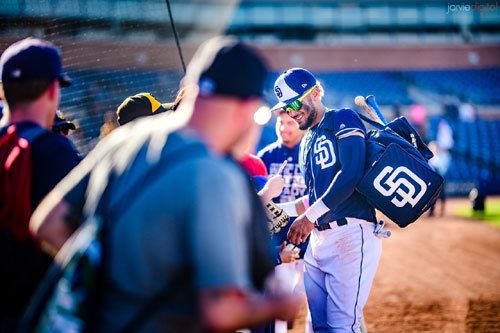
292	84
32	59
225	66
61	121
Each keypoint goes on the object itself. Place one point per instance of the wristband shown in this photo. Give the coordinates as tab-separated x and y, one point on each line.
315	211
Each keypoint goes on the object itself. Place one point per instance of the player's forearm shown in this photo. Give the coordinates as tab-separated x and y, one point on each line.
295	208
50	223
228	309
352	158
265	196
301	204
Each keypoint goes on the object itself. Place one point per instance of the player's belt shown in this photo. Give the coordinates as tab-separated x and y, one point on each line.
325	226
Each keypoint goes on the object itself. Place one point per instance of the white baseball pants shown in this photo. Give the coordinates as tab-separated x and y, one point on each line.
340	265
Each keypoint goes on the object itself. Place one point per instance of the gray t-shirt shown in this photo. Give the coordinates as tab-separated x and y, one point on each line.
181	230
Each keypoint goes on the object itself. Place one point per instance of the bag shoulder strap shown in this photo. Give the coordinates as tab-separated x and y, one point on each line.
371	121
30	134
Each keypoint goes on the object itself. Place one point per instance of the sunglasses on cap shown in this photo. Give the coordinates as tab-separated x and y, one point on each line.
297	104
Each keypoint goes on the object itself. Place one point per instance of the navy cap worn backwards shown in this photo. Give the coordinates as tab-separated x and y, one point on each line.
225	66
292	84
32	59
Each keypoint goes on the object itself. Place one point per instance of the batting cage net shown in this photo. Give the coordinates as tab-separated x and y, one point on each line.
110	49
421	60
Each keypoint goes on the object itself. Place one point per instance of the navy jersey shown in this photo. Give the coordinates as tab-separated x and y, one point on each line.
53	158
273	156
319	157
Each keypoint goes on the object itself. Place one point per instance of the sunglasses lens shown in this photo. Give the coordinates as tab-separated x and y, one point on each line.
295	106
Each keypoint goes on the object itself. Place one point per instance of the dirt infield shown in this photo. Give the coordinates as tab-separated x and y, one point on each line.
440	274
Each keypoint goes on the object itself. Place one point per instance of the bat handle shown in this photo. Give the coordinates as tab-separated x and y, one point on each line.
370	100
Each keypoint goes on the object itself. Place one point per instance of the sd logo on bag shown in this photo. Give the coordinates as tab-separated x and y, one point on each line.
395	186
398	181
400	186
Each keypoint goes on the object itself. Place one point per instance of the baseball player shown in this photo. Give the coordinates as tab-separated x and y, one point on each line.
290	271
343	251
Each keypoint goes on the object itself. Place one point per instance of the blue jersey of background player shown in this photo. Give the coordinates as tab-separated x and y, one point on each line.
290	273
286	148
344	250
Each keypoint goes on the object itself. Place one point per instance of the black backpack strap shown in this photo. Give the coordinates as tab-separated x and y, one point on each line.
371	121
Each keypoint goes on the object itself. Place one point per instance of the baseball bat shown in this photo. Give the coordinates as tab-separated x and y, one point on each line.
370	99
360	101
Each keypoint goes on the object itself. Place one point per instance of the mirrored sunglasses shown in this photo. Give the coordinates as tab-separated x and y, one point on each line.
297	104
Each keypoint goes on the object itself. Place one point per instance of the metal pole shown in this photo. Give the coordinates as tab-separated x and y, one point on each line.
176	36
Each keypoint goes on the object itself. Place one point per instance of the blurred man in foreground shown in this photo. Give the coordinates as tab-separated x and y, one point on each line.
189	229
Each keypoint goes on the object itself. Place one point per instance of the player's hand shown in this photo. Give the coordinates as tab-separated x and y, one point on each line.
299	230
272	189
288	253
275	185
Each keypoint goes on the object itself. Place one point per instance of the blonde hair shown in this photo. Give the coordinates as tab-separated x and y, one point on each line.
320	88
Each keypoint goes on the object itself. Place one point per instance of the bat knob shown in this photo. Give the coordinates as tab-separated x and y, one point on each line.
359	100
369	97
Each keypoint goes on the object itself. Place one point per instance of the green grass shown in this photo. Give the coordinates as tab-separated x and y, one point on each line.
491	214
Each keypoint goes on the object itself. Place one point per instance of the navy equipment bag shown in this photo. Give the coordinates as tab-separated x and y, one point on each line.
398	181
